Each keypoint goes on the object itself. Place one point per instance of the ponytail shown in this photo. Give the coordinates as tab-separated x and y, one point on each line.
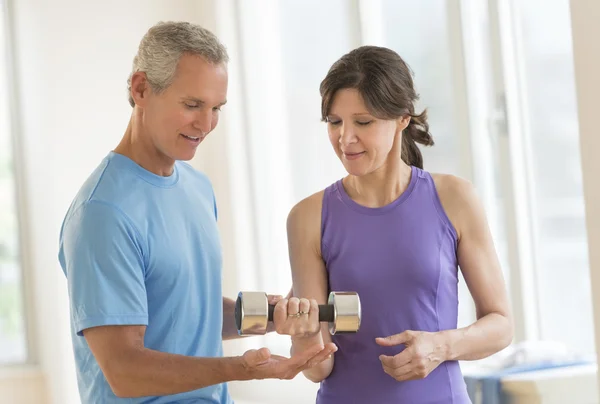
417	131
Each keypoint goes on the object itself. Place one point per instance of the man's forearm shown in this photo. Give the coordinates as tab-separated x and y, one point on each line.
145	372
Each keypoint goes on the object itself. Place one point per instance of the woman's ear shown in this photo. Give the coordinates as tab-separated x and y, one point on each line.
403	122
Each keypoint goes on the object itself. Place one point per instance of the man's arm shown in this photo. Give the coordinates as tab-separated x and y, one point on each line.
229	329
135	371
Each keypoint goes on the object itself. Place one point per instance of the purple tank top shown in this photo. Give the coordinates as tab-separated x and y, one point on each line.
401	259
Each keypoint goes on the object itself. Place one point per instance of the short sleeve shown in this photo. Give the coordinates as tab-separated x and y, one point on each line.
102	255
215	207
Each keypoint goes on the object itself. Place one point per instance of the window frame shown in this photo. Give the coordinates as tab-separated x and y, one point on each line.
25	264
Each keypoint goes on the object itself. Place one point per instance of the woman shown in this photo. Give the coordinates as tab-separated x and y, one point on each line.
397	235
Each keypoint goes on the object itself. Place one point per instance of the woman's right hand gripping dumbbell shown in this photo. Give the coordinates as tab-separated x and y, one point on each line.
289	320
299	318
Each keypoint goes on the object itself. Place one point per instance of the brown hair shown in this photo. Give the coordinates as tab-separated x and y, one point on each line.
385	83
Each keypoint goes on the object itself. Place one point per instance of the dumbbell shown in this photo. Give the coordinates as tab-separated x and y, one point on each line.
253	312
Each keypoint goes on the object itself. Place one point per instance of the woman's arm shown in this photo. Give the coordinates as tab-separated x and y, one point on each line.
309	275
478	261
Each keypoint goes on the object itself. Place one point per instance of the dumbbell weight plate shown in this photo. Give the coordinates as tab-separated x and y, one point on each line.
251	313
347	313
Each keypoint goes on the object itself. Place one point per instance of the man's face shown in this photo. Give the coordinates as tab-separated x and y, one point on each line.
178	119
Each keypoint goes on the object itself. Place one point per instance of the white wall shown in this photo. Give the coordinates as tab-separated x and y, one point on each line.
73	58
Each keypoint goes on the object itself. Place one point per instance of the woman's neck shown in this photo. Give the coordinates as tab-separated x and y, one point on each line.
381	187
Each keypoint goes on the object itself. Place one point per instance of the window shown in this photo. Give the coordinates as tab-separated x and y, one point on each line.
423	41
12	325
565	305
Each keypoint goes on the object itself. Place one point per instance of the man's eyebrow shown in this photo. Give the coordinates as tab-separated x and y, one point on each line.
199	101
194	99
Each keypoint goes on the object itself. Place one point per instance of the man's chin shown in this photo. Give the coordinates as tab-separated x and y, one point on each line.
185	156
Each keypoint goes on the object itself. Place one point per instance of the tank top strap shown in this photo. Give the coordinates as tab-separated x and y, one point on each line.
435	198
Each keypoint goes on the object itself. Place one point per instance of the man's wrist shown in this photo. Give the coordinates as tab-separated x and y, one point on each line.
235	369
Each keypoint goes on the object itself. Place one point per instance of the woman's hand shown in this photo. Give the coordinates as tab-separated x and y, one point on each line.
296	317
423	353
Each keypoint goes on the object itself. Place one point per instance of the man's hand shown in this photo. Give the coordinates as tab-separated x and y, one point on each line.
260	364
272	300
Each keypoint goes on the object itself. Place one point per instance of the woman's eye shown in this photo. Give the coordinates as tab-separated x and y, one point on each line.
363	123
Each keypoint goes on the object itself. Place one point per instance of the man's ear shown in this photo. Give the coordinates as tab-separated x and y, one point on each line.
140	88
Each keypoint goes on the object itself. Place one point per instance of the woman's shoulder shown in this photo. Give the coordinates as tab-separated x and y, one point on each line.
451	185
308	207
458	197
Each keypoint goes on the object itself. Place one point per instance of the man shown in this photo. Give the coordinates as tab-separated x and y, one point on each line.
140	247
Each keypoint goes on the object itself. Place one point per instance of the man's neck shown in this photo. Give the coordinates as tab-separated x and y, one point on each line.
138	146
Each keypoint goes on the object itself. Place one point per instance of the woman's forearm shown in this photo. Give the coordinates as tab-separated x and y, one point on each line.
318	372
486	336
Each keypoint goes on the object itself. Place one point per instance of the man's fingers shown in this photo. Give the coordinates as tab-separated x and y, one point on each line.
273	299
301	358
329	350
263	355
256	357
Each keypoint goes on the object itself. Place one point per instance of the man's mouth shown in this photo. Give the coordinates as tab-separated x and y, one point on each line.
194	139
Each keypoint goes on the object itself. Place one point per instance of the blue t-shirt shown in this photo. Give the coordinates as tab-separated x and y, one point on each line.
141	249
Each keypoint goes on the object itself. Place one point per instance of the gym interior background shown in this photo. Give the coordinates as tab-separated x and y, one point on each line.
511	88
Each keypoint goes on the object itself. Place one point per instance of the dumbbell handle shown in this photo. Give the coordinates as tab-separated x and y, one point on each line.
326	313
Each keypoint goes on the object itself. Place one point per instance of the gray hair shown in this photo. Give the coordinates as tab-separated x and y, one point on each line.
164	44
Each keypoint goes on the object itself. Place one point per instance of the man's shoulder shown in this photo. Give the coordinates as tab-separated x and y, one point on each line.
103	189
190	174
188	170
